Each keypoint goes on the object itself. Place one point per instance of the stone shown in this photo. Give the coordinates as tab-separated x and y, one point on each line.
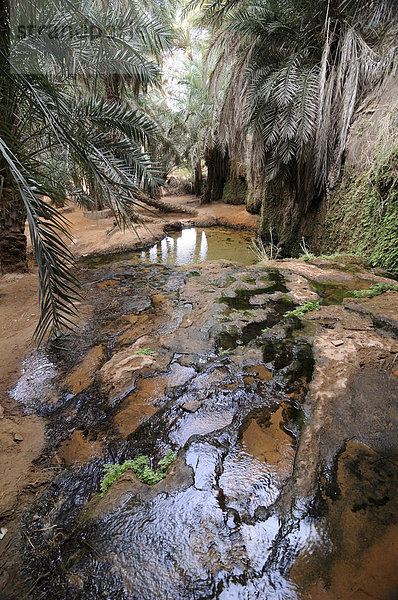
158	300
337	342
121	371
191	406
18	437
1	412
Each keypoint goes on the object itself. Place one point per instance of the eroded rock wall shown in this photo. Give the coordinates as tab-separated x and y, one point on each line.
361	216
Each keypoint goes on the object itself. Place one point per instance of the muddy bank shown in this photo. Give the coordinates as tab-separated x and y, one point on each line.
98	234
285	432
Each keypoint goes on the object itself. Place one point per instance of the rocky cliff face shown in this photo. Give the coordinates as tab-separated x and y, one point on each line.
361	215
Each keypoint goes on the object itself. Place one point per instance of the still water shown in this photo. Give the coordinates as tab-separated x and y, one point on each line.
196	245
190	246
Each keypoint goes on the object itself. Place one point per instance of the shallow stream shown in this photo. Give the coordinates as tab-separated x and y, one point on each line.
200	360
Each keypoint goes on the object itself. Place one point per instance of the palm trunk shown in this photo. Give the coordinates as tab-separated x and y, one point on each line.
12	232
217	163
198	180
12	212
166	207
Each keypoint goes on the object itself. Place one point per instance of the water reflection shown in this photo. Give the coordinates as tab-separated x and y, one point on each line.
195	245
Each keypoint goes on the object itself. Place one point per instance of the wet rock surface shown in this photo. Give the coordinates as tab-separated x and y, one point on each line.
286	435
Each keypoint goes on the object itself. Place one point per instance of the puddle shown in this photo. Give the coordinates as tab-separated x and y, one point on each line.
233	335
247	299
188	247
334	293
267	441
361	509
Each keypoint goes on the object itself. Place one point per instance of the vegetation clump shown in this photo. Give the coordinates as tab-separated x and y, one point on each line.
302	309
141	467
375	290
145	352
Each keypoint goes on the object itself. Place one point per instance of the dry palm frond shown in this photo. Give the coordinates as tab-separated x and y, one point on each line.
297	71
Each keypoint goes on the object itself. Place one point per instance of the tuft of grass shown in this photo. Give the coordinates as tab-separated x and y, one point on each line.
141	467
375	290
145	351
265	251
302	309
224	352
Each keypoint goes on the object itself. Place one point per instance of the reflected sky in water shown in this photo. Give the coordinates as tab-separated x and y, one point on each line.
195	245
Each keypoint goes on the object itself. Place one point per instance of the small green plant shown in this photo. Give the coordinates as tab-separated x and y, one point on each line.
302	309
265	330
145	351
307	257
375	290
141	467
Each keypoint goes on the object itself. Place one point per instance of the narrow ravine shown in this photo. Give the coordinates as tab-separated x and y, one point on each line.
284	429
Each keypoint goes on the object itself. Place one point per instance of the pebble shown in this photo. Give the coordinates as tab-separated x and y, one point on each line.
191	406
1	412
18	437
337	342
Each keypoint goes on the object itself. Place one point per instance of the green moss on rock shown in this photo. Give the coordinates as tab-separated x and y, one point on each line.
363	214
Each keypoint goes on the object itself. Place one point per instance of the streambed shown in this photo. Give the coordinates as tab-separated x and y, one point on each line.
286	440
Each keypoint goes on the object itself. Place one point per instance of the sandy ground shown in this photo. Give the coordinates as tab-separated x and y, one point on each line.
21	436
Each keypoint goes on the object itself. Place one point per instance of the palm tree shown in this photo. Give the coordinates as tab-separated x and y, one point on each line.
56	105
202	128
298	70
